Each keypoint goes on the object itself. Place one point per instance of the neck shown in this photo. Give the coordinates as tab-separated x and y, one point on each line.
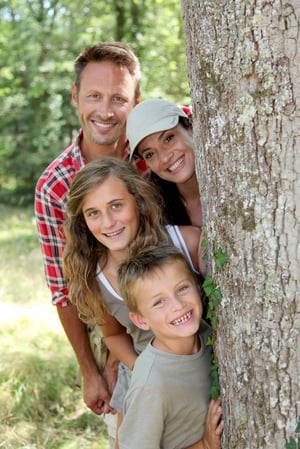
190	188
181	346
91	150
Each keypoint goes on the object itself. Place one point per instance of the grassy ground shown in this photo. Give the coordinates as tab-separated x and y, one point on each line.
40	406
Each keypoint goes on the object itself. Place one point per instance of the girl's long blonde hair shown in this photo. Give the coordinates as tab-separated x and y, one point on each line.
83	251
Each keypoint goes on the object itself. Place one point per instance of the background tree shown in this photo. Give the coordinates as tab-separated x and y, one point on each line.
244	71
40	40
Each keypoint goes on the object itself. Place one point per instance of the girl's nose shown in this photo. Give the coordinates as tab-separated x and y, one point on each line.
107	220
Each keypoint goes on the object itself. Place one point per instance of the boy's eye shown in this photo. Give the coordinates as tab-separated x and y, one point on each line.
183	288
159	302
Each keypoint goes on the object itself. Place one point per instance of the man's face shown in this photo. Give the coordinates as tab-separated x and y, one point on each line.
104	100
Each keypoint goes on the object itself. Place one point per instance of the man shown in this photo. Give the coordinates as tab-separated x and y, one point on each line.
106	88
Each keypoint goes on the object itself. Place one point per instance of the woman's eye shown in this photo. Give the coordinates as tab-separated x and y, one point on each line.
169	138
148	156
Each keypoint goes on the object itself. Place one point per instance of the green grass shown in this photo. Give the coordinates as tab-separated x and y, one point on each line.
40	406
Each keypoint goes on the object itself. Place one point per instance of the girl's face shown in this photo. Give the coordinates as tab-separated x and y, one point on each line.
111	214
169	154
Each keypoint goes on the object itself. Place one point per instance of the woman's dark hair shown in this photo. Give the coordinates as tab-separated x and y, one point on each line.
174	209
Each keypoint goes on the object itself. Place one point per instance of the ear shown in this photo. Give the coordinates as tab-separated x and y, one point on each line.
138	99
139	321
74	95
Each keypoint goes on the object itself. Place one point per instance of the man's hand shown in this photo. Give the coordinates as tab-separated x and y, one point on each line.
96	394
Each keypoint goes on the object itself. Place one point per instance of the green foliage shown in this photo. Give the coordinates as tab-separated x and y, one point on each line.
292	443
40	41
213	292
40	405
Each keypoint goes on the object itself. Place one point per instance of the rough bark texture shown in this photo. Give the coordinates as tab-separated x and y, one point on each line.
244	71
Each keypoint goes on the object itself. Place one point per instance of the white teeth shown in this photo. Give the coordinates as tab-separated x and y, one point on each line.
103	125
176	165
182	319
113	234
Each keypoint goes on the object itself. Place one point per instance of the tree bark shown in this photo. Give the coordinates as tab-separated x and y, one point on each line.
244	71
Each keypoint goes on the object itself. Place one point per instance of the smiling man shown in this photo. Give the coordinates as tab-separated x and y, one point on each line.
106	88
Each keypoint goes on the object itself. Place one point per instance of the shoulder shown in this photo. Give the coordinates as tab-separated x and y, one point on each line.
57	177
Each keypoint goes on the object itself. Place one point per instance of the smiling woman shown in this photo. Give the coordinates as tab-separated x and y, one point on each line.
161	133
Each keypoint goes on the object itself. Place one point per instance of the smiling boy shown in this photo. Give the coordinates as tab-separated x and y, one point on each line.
167	405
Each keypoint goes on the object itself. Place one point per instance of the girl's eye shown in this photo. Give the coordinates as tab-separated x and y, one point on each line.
116	205
93	213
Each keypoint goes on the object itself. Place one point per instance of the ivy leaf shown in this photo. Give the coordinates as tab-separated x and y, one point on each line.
221	258
291	444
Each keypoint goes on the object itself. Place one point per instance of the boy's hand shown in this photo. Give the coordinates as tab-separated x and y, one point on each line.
213	425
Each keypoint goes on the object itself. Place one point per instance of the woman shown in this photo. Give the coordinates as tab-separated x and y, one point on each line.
161	134
110	206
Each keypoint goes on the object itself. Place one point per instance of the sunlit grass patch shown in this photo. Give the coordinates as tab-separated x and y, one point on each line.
40	406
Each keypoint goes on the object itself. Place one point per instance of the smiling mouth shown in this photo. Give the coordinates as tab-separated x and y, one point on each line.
103	126
113	234
176	165
183	319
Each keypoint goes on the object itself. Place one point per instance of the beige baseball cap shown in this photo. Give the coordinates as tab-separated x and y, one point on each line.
151	116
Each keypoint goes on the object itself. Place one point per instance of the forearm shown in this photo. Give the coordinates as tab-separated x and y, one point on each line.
76	332
121	346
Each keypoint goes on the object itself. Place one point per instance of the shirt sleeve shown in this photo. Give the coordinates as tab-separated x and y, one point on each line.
50	216
143	420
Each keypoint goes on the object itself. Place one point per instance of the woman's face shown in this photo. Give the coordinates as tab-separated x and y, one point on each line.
111	214
169	154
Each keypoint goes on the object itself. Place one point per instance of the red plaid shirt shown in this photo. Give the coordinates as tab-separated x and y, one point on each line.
50	202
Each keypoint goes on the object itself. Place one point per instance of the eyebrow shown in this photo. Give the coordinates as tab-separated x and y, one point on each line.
94	207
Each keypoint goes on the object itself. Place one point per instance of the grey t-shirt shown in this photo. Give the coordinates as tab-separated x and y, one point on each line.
166	404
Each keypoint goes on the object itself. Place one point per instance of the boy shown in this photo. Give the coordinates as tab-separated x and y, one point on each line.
167	405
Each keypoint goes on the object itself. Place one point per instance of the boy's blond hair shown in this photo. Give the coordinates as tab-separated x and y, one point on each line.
141	263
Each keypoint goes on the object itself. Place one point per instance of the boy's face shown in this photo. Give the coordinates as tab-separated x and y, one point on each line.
169	303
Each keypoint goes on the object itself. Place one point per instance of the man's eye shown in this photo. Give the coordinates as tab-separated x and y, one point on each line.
94	96
119	99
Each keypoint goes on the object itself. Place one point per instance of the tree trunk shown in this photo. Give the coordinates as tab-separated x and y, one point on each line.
244	71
